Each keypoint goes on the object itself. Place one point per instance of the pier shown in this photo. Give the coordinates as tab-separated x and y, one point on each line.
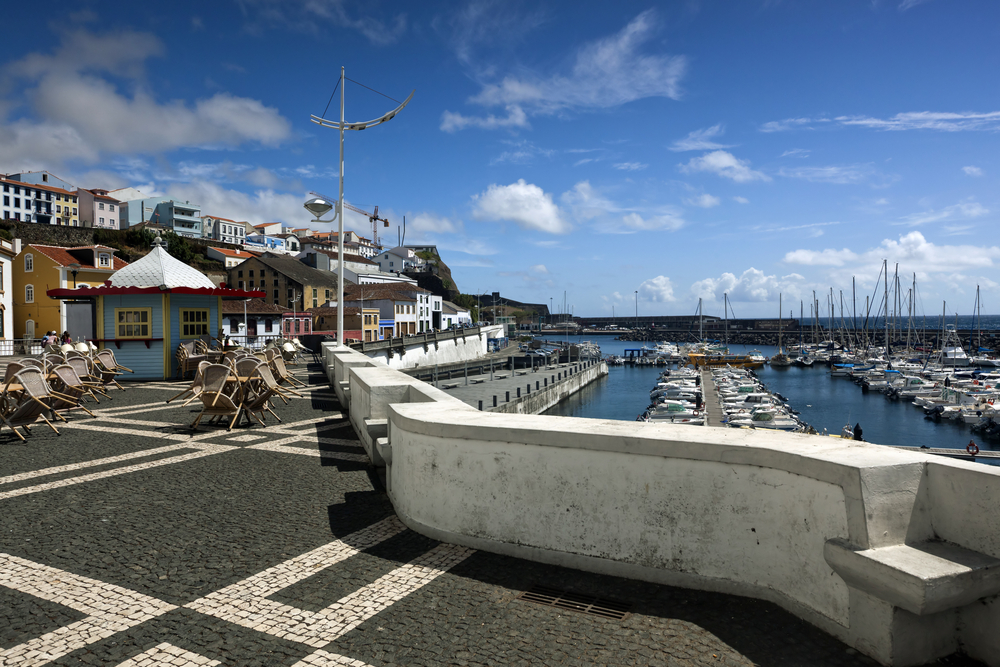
710	399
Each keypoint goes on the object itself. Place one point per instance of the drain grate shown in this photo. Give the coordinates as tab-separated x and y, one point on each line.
585	604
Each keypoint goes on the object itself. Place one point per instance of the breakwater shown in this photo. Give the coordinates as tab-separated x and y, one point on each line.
928	337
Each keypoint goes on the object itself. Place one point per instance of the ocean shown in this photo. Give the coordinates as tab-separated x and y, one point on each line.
822	401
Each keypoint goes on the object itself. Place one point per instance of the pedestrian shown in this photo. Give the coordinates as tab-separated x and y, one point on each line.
857	431
66	338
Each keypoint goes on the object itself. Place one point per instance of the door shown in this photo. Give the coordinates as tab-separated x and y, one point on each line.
80	319
29	329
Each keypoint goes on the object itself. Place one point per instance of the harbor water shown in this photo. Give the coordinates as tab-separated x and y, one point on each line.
823	402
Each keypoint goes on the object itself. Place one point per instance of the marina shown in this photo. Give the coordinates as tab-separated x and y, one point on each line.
823	402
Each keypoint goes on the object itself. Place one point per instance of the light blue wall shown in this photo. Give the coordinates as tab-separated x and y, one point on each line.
147	363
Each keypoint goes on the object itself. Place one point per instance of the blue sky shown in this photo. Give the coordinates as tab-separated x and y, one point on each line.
618	152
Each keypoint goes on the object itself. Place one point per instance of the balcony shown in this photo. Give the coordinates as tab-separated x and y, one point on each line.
181	216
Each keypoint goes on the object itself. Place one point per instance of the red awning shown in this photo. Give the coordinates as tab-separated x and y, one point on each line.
104	290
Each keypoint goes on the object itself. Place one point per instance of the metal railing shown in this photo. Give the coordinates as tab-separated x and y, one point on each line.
415	339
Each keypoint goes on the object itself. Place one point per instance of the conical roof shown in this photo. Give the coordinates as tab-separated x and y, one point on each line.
157	269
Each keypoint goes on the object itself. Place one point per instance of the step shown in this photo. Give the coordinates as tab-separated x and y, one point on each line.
922	578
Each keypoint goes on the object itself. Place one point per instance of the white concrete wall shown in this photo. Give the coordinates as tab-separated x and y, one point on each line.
845	535
445	351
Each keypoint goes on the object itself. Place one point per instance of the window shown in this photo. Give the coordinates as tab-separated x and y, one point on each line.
111	207
262	272
29	263
239	274
251	284
6	200
133	322
268	323
100	206
104	259
328	295
251	274
276	296
194	322
241	284
58	208
29	293
314	293
17	202
74	208
102	221
275	282
17	190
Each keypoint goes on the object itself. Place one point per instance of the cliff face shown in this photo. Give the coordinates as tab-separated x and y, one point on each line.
437	279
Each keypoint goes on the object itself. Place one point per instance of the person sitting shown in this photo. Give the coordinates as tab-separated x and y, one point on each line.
857	431
66	338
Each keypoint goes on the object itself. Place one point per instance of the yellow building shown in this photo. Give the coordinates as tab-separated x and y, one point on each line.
39	268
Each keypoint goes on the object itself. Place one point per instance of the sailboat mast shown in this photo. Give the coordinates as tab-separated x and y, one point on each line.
779	322
725	316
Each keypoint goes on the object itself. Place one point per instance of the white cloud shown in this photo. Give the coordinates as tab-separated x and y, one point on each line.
752	286
910	4
101	120
726	165
787	124
944	121
854	173
635	222
703	201
430	223
630	166
605	73
912	251
973	171
797	152
963	211
453	122
523	203
610	218
657	290
700	140
521	152
538	268
741	200
307	16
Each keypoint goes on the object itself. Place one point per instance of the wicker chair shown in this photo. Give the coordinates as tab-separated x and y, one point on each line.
197	385
70	388
221	396
281	372
111	353
28	405
84	370
257	393
188	359
104	368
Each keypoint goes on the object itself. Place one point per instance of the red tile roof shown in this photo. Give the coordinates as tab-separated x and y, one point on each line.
63	257
231	252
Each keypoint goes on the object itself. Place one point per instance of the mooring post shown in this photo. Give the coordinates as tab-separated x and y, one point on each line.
507	399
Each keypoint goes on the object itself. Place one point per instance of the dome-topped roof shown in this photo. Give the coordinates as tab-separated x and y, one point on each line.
157	269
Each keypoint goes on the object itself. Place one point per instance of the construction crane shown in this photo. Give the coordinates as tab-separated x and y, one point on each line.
372	217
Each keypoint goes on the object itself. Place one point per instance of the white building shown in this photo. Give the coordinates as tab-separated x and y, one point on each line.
224	229
398	259
99	209
39	203
8	251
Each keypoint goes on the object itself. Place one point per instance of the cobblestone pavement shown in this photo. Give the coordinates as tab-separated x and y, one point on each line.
131	540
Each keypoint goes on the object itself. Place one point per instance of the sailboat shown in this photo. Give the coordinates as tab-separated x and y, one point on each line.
780	359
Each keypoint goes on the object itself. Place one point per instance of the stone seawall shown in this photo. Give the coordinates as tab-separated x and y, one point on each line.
539	401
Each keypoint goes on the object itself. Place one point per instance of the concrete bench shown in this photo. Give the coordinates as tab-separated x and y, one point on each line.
499	376
523	372
922	578
449	385
477	381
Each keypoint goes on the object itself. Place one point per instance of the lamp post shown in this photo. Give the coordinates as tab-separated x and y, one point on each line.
73	268
320	207
636	309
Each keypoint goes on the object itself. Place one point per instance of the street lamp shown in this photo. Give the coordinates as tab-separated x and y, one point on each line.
74	268
636	309
324	206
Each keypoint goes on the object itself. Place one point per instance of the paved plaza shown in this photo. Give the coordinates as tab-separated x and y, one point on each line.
132	541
